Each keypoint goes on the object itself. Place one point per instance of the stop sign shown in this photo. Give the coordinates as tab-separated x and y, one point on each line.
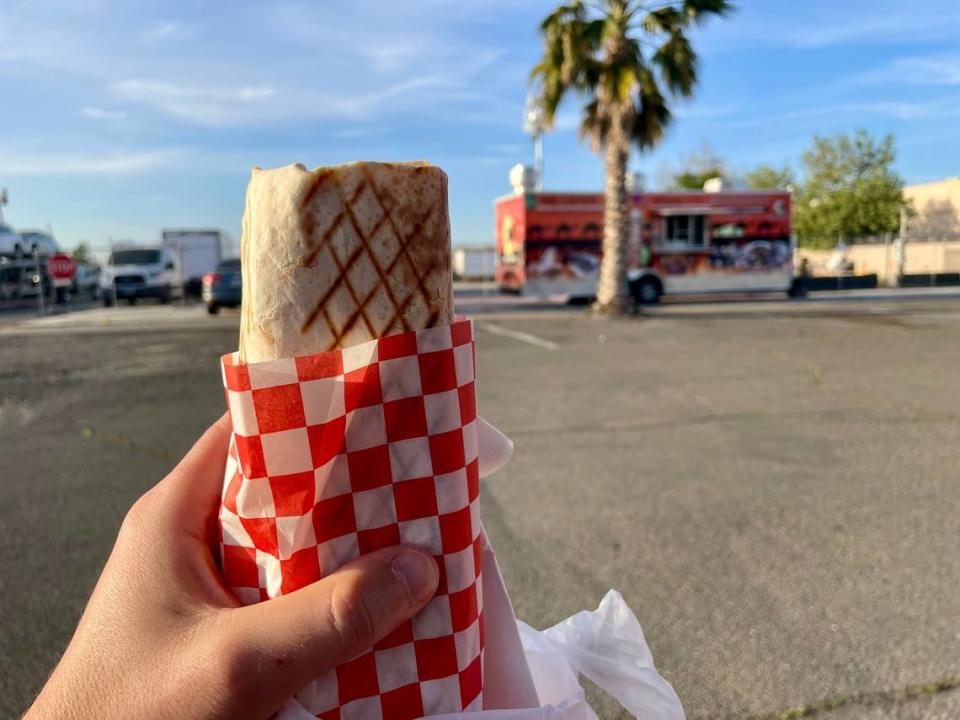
61	267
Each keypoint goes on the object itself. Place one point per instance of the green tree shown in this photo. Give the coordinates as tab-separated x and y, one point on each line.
700	167
82	252
767	177
850	190
625	59
694	180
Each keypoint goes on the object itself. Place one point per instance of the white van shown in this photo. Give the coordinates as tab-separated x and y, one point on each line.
138	272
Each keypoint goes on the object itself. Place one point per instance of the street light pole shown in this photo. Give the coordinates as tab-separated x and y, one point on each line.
538	160
534	124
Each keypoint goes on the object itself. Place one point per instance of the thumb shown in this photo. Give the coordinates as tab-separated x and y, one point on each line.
276	648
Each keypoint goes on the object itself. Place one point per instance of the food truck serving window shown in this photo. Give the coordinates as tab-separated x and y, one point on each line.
685	230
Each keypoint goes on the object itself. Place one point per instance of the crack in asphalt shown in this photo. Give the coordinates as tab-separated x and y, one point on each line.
898	696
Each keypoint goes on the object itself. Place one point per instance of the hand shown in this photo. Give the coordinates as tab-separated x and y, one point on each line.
162	637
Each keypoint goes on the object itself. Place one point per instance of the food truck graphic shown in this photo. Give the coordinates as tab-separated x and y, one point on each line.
549	244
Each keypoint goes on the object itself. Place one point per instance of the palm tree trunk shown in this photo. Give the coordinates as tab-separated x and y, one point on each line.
612	291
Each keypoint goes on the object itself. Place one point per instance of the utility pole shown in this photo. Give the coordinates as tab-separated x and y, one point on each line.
113	276
4	199
40	284
900	248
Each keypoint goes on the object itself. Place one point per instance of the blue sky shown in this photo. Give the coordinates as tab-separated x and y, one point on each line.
120	118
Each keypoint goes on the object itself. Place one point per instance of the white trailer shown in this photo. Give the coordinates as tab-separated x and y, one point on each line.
198	252
474	262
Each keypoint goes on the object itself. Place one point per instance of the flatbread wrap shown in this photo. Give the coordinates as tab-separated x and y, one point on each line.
339	255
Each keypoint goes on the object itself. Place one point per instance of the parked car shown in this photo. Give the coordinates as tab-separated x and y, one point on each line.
38	240
23	279
222	288
87	280
132	273
10	242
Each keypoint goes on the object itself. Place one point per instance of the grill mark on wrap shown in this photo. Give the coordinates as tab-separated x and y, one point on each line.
308	226
414	232
321	306
307	222
385	217
347	327
343	269
309	260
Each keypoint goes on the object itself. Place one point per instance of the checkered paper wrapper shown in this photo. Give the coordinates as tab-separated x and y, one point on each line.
337	454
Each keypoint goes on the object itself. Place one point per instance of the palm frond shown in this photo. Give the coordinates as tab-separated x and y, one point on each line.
593	33
664	20
571	11
594	126
652	114
571	40
700	10
625	58
677	64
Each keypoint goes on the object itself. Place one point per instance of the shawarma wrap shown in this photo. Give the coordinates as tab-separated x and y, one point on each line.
340	255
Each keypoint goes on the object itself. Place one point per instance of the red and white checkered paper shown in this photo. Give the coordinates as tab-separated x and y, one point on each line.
337	454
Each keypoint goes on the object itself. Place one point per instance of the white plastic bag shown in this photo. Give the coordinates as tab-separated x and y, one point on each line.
532	675
607	646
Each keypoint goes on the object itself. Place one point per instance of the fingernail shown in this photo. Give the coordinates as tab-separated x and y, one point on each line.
417	571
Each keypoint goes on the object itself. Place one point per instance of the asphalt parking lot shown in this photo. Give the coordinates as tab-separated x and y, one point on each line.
771	485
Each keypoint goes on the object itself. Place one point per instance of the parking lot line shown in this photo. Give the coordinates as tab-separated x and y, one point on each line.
521	336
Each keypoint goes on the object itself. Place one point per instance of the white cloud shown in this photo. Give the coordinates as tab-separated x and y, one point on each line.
18	165
919	70
203	105
362	105
286	62
361	132
167	31
892	109
886	21
146	90
704	112
388	57
101	114
251	105
816	24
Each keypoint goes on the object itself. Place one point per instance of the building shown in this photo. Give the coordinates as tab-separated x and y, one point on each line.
937	208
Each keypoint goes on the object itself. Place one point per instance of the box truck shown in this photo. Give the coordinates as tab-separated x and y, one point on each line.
198	252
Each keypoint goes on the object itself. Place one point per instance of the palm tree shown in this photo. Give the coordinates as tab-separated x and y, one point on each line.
624	57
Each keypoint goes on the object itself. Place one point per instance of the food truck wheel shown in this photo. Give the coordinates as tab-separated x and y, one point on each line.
646	290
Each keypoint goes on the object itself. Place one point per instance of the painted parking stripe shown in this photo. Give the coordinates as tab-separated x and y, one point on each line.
521	336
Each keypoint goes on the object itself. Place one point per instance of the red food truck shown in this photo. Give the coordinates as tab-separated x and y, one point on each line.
549	244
